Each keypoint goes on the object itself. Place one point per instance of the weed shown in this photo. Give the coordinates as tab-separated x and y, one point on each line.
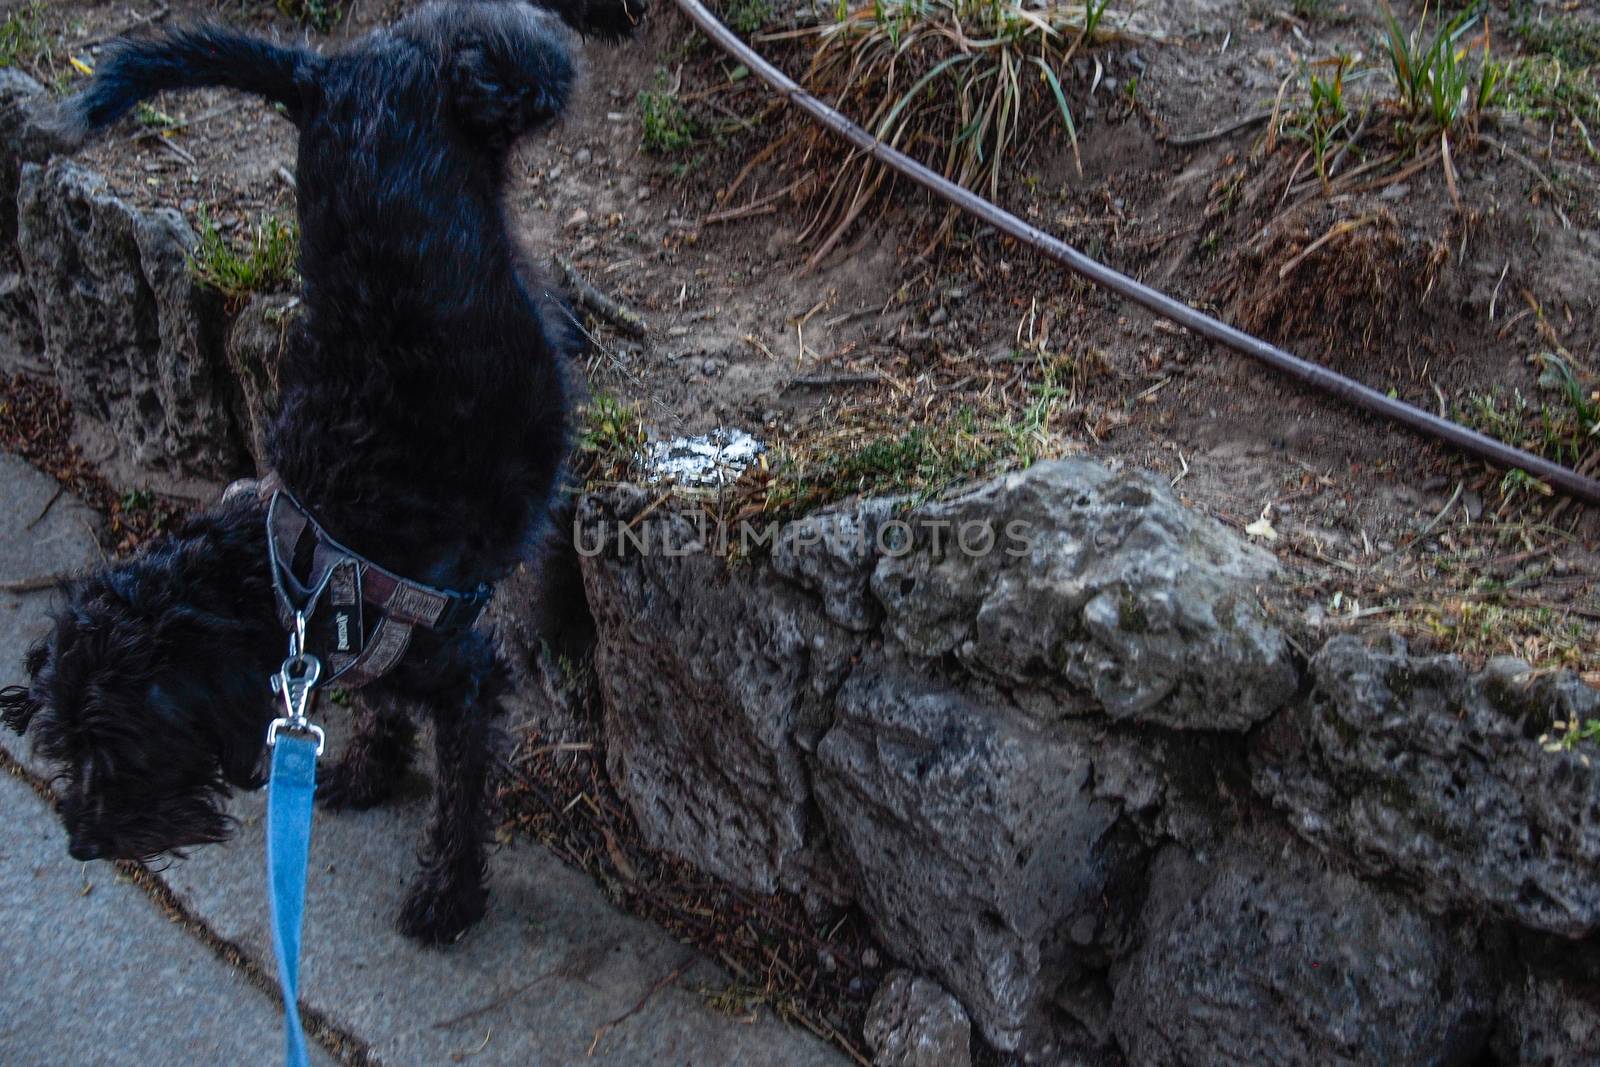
1572	733
1326	115
1435	80
612	432
320	15
22	37
267	264
153	118
137	500
666	126
748	16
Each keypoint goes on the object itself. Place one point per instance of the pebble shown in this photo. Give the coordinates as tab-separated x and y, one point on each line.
582	157
578	218
938	318
870	958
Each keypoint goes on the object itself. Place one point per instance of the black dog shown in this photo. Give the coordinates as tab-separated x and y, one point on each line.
422	424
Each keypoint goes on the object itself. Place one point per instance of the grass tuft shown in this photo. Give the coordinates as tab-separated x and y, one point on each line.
963	84
266	264
1435	77
23	41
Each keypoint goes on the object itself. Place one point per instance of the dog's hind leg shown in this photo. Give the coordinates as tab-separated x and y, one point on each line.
462	698
374	760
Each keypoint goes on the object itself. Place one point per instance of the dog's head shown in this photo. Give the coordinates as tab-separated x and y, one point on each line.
149	699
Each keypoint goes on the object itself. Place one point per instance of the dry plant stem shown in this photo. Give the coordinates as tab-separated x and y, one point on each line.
1192	140
587	296
1310	374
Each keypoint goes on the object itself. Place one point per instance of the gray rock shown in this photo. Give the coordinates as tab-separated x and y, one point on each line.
1098	589
25	137
1416	769
255	345
832	553
1251	958
714	686
912	1022
1547	1022
981	849
133	340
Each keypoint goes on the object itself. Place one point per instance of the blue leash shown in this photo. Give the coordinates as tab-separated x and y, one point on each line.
296	744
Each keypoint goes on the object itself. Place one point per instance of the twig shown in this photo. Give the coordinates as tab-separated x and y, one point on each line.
660	984
827	381
497	1002
48	504
34	584
1190	140
215	112
1338	229
177	150
587	296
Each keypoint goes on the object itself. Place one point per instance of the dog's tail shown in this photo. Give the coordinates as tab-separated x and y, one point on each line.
193	57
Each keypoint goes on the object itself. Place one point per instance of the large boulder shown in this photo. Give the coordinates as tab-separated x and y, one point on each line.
1251	956
26	136
1414	768
1095	591
983	849
715	684
133	339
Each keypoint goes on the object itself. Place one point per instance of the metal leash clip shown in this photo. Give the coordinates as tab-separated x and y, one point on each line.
296	683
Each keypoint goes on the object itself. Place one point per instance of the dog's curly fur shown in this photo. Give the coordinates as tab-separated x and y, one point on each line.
422	421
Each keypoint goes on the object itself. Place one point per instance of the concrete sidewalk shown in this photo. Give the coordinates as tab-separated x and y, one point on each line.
554	975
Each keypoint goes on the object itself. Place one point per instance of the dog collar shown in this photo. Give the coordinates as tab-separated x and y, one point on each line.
363	615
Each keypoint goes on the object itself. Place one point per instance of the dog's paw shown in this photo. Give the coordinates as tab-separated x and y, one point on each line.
440	913
354	786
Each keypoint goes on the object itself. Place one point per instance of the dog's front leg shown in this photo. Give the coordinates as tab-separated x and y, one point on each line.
449	894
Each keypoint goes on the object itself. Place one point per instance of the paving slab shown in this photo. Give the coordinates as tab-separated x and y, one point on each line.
96	973
43	531
552	966
554	975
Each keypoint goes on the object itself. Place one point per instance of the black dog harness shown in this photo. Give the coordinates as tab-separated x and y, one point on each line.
369	613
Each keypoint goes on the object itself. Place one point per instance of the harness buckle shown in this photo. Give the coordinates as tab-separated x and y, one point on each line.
296	683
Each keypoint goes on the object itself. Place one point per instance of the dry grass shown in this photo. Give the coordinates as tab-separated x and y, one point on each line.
966	86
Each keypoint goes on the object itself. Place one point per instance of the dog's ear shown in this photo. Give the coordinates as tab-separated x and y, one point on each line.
17	707
17	703
502	86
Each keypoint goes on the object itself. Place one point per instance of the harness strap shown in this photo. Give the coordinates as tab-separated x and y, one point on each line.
346	582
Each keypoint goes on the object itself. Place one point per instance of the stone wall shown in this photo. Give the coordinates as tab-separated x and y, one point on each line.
1076	774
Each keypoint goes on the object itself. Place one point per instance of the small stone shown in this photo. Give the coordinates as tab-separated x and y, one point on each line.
577	219
939	317
870	959
913	1022
582	157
